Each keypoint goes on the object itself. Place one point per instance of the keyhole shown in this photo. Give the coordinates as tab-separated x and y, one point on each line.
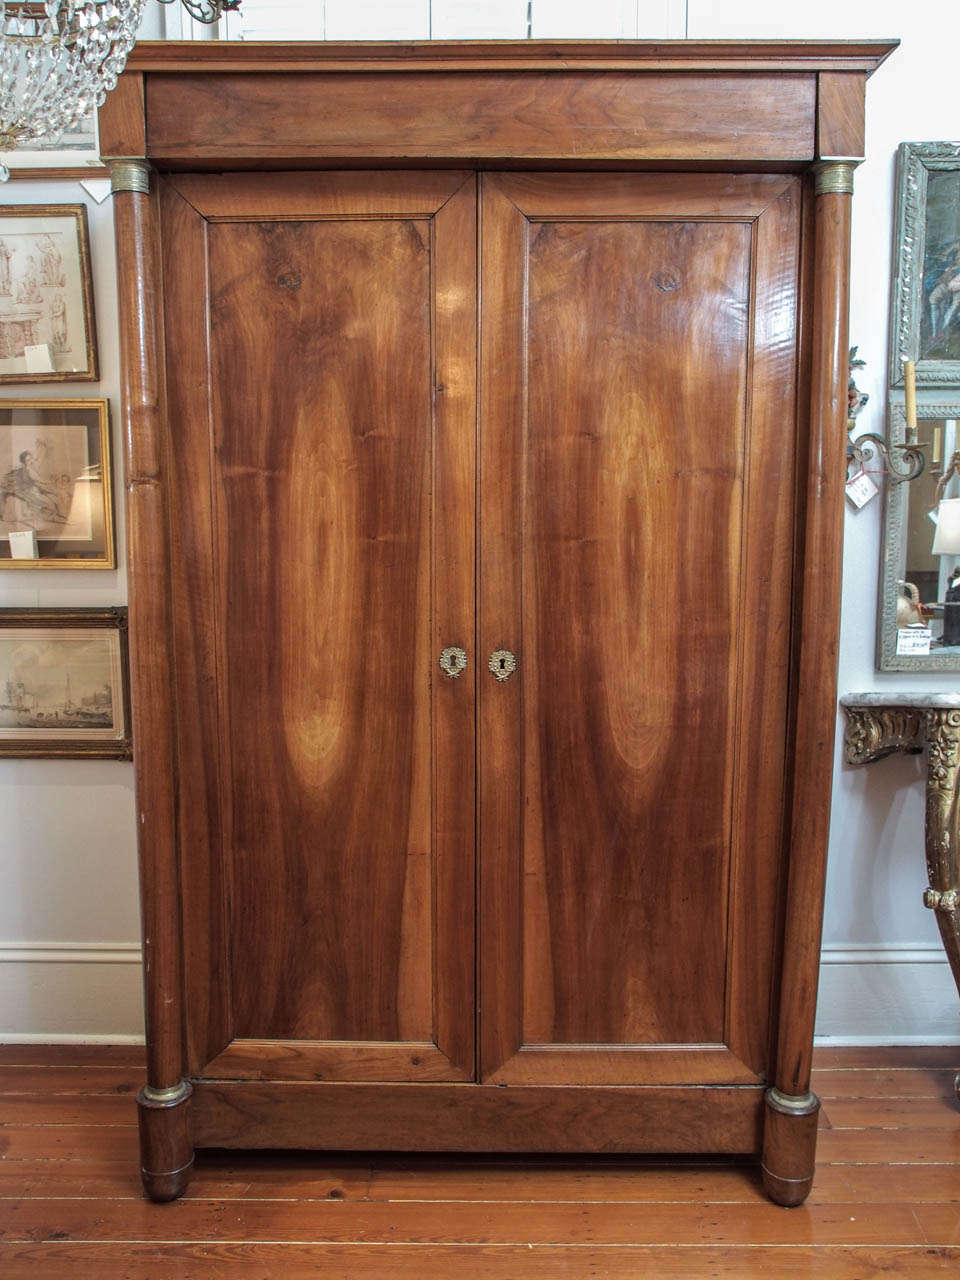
503	664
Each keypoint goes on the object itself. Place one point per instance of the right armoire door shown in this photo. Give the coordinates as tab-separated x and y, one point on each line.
638	383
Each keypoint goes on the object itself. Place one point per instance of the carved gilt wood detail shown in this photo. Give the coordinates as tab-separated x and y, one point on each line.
873	732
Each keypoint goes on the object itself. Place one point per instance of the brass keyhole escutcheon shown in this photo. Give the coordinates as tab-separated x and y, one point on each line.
453	661
502	663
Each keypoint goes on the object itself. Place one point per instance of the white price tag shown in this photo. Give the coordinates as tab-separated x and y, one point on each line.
23	545
39	358
913	640
860	489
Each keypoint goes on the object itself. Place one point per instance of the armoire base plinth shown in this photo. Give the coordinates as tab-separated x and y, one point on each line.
166	1148
789	1145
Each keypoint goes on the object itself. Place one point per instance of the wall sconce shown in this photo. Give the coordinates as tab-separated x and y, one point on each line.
904	461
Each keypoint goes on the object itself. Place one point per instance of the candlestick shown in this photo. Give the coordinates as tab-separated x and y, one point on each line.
910	396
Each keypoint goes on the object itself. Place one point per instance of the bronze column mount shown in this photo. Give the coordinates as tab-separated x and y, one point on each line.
879	724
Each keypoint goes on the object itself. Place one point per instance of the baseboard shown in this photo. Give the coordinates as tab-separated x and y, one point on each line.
50	1037
71	953
90	993
896	994
71	993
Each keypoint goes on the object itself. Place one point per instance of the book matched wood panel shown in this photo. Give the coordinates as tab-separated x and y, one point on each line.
323	519
631	523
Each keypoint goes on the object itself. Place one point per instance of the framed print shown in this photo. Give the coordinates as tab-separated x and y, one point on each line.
55	485
63	683
926	284
46	298
76	149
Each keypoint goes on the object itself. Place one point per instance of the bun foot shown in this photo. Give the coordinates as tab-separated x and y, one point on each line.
789	1146
166	1149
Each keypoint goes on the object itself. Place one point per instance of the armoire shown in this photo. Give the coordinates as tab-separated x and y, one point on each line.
484	416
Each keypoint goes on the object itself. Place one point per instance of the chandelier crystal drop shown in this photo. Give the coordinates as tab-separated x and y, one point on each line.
58	60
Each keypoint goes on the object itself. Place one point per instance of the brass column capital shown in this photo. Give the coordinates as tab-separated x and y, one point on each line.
834	177
129	175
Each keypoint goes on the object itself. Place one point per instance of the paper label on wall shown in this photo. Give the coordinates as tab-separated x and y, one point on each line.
914	640
23	545
39	358
860	489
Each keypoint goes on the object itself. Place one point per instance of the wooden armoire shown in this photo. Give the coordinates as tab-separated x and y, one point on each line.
484	413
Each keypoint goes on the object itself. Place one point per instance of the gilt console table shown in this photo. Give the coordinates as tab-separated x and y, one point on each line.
879	724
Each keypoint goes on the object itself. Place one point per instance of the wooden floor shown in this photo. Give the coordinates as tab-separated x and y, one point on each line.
886	1200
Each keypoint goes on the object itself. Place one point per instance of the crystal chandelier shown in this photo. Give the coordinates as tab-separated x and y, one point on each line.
60	58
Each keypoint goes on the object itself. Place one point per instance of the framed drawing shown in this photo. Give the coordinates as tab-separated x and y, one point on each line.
63	683
926	279
47	331
77	149
55	485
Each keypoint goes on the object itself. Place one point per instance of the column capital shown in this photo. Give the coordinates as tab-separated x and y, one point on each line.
834	177
129	175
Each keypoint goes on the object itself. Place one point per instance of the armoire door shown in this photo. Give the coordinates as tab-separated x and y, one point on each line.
321	339
637	468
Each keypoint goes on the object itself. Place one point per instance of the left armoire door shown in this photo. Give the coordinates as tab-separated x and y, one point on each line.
320	382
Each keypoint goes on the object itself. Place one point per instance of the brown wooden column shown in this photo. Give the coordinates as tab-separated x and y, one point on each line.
166	1151
791	1108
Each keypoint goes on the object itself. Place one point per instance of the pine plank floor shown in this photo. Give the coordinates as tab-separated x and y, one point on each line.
886	1201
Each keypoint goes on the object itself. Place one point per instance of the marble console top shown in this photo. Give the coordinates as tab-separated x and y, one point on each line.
879	698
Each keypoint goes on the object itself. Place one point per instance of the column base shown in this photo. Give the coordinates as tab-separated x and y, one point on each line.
789	1146
166	1148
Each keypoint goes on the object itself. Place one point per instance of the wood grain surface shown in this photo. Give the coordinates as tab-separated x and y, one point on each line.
70	1203
416	56
325	547
472	1117
143	417
821	553
524	115
636	563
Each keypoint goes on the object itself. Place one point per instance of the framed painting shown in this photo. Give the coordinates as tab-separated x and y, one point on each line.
47	331
56	504
926	280
63	683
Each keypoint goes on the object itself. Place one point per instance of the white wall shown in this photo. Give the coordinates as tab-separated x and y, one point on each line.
68	917
69	924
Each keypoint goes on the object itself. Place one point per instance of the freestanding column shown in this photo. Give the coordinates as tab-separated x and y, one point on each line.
166	1148
790	1132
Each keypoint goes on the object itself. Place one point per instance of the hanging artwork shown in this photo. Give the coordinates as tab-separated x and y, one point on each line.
63	683
56	510
926	287
46	299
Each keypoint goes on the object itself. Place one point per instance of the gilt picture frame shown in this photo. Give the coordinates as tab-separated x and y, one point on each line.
64	685
47	325
55	484
925	305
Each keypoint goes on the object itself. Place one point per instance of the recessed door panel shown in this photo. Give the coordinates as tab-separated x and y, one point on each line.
339	339
628	404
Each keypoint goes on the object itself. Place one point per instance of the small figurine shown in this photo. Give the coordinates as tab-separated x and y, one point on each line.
856	398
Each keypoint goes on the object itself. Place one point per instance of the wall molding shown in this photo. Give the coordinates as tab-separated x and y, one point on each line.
50	1037
899	993
71	953
875	953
